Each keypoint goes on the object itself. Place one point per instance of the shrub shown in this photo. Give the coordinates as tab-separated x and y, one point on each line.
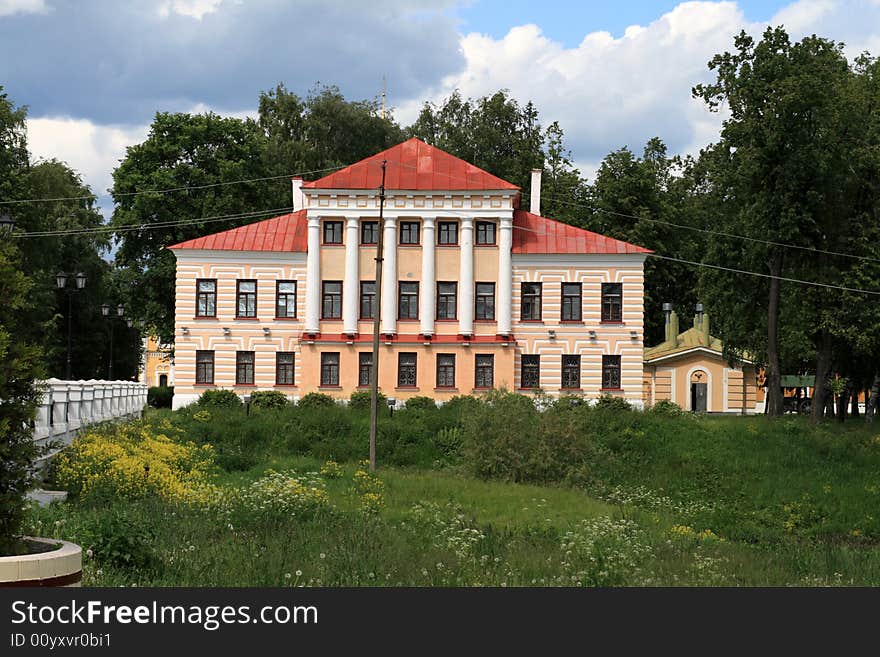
612	403
316	400
604	552
268	399
278	494
666	408
219	397
160	396
420	403
134	460
360	401
121	538
331	470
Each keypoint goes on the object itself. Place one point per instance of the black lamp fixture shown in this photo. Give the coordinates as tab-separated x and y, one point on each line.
79	280
7	224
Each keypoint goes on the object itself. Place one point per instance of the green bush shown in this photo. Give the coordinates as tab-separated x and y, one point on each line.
612	403
160	396
360	401
121	538
316	400
268	399
666	408
420	403
219	398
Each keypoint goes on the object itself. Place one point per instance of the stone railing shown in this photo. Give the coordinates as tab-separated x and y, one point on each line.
69	405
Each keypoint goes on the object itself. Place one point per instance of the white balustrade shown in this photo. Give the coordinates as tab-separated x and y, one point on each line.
67	406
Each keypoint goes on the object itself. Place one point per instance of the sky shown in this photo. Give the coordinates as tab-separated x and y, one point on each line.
94	72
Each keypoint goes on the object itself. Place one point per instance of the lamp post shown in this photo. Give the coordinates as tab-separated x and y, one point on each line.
120	313
79	282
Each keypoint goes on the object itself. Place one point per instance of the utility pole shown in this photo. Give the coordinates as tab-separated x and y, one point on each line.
383	100
377	312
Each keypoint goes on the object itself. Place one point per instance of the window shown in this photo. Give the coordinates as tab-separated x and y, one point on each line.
205	367
447	300
284	368
612	302
368	299
409	232
332	232
244	368
406	371
484	367
369	232
571	371
331	304
330	369
408	301
530	373
246	299
531	301
447	232
445	370
285	299
611	372
485	233
571	302
365	368
206	297
485	301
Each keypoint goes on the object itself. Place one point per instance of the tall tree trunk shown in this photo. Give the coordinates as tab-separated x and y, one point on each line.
842	400
821	393
774	389
854	407
871	403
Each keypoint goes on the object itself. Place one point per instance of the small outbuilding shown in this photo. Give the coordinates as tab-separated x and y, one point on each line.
690	370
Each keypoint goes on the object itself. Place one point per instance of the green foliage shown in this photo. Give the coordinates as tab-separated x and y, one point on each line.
121	538
613	404
420	403
666	408
19	367
268	399
360	401
160	396
315	400
219	397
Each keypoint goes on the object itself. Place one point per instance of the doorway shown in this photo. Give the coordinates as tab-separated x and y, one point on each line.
699	392
163	380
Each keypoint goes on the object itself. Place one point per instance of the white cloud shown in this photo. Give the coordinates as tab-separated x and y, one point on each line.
9	7
193	8
610	92
92	150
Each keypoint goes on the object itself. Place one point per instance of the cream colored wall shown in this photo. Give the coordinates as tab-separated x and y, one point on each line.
671	380
157	361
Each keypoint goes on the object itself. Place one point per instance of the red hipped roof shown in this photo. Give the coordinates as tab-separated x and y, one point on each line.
289	232
413	165
535	234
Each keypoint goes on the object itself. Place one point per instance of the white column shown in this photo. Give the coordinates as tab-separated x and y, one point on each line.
350	284
505	277
313	278
466	278
389	277
428	287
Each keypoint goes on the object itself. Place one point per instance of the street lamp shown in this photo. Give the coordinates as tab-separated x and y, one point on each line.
79	282
120	313
7	225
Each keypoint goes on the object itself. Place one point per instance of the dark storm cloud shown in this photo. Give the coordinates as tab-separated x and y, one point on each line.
120	62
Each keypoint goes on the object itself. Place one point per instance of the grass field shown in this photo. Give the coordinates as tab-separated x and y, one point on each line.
660	501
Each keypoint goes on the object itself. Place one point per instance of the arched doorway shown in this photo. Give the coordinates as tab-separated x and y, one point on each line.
163	380
699	391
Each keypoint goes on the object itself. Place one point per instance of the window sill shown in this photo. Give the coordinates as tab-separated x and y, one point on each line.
611	390
485	321
531	321
535	389
408	245
482	389
245	385
612	323
367	244
331	319
408	320
287	386
204	385
445	389
446	321
246	319
407	388
200	317
447	246
286	319
329	387
572	322
571	390
485	246
332	244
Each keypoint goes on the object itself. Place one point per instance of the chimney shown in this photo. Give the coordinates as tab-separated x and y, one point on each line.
667	314
535	196
672	327
701	322
299	199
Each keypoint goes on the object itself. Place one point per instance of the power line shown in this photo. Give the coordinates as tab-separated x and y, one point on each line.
169	190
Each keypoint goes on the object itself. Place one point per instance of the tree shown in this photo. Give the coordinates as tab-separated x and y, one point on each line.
197	153
774	165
